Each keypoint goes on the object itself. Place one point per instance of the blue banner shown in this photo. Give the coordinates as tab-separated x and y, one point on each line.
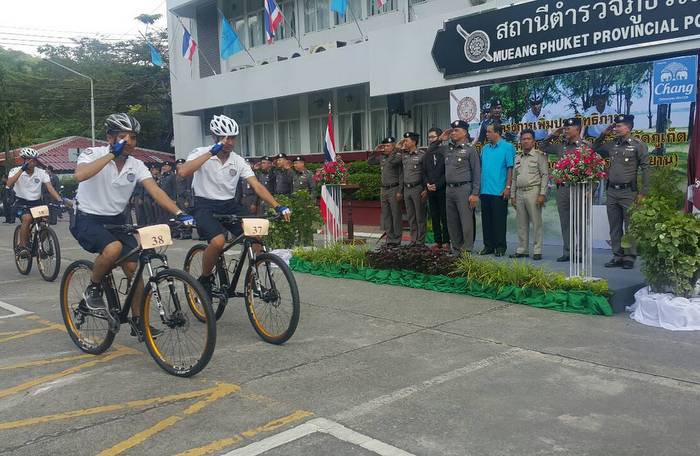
674	80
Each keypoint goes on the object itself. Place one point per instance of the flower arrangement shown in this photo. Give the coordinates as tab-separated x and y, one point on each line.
582	165
334	172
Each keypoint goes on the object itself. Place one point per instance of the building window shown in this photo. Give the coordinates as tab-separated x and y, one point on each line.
289	23
379	126
288	133
264	128
316	15
318	118
356	7
256	24
390	5
352	103
208	41
429	115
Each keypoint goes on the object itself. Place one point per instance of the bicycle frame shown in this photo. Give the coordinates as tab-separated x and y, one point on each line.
247	243
144	260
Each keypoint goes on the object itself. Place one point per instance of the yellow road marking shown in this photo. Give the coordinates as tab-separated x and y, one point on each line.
27	333
249	434
120	351
43	362
113	407
220	391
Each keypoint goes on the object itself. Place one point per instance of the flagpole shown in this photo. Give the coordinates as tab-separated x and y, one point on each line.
245	48
199	51
356	23
294	32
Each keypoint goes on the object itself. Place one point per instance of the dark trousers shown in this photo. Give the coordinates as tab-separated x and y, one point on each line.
494	211
438	215
8	207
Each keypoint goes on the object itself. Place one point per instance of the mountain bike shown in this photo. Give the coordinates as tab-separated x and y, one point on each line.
269	288
43	244
180	342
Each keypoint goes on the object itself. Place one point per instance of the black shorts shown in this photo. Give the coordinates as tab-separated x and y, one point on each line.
89	231
22	205
207	226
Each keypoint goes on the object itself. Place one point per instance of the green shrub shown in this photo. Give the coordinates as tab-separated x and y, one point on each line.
362	167
306	219
352	255
370	185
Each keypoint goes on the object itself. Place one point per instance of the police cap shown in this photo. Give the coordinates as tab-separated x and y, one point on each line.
624	118
389	140
572	122
460	124
298	158
413	135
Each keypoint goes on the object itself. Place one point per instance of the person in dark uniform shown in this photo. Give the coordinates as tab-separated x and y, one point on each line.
138	200
628	155
562	141
303	178
168	185
46	196
414	191
463	185
266	176
390	194
434	170
184	197
283	175
246	195
8	202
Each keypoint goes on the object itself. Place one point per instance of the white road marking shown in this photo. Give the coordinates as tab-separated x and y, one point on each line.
324	426
16	311
403	393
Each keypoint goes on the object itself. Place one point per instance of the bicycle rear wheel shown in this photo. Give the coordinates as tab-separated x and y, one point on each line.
23	261
88	330
219	298
178	340
48	254
272	298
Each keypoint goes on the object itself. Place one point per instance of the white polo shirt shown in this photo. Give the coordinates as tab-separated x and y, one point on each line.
216	180
108	192
598	129
29	187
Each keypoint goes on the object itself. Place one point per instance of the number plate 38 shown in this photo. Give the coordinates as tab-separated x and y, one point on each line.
155	236
256	227
39	211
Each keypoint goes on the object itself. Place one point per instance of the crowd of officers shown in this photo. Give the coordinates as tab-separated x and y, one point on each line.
451	177
279	174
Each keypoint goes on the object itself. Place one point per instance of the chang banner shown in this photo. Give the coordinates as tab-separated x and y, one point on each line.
675	80
541	30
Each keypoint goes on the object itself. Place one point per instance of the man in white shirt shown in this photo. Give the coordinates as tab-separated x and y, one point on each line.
536	113
107	177
216	171
27	181
600	108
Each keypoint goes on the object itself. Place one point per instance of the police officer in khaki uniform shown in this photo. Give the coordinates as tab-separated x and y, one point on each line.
303	178
530	176
463	184
266	176
390	195
248	197
414	191
562	141
627	155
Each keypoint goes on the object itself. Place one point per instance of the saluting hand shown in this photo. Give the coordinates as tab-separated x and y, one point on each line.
445	135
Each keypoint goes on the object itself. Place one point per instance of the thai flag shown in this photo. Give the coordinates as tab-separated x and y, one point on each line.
189	46
273	18
329	142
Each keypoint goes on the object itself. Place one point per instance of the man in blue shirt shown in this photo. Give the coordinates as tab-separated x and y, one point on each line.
497	159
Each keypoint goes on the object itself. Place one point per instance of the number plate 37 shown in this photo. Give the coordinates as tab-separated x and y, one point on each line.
155	236
256	227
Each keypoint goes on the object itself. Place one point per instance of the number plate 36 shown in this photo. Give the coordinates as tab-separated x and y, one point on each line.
256	227
155	236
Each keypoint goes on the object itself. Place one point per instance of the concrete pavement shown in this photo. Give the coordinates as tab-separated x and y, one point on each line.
371	370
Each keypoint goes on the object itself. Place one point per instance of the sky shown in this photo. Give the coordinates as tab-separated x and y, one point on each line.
26	24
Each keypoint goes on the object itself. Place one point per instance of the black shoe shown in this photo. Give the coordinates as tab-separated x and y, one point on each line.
628	264
518	255
486	251
537	256
207	283
614	263
94	299
136	329
563	258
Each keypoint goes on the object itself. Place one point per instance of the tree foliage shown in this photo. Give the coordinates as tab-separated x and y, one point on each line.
40	101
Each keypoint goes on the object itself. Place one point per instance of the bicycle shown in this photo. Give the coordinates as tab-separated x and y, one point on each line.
43	244
177	330
273	317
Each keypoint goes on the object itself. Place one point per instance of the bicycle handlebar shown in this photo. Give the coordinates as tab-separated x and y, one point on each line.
230	218
131	229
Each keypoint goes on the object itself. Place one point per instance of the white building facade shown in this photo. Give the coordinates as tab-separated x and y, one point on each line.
378	74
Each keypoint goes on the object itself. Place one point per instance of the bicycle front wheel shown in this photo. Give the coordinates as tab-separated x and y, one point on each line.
48	254
272	298
23	261
180	339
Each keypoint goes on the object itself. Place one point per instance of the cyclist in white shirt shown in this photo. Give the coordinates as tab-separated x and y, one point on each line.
27	181
537	113
600	108
217	170
107	177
